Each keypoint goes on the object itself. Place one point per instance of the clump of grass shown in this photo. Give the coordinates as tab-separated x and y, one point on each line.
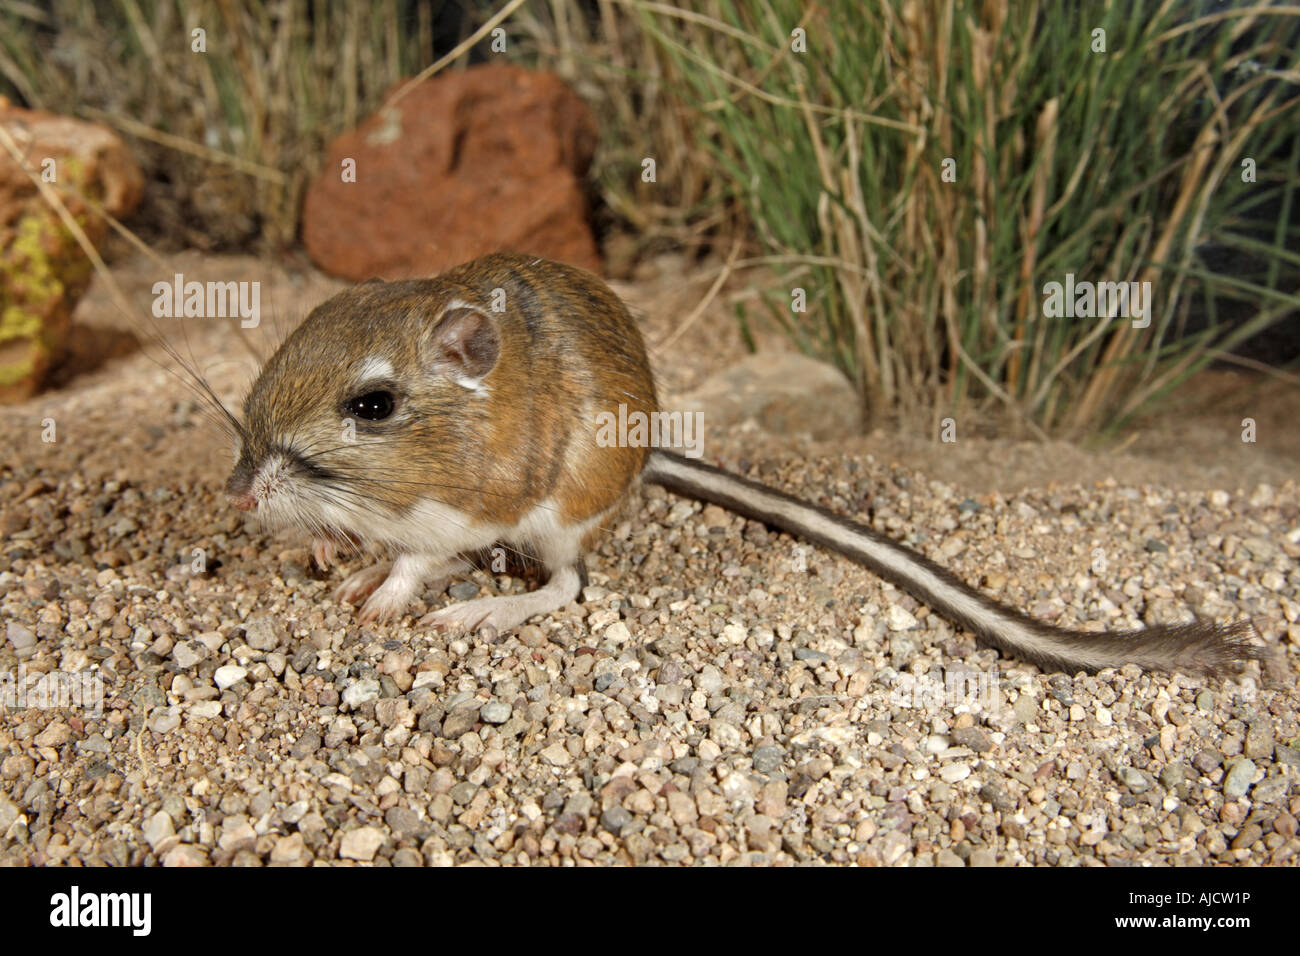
230	136
1115	165
635	85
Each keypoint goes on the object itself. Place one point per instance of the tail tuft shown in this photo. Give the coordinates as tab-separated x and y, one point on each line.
1202	647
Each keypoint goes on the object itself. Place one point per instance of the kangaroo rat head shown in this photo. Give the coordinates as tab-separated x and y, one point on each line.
366	408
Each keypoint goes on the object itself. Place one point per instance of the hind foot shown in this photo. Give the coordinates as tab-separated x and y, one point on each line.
504	613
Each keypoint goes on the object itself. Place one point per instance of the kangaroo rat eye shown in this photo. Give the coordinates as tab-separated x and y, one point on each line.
372	406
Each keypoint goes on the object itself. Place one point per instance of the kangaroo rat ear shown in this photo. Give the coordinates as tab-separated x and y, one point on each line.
464	345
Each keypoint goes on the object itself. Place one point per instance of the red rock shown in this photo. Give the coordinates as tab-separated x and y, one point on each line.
486	160
43	270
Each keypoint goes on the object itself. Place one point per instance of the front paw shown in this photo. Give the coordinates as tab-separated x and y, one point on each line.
382	606
362	584
332	547
325	552
402	582
391	598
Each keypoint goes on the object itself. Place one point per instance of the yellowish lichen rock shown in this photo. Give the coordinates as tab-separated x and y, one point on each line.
43	270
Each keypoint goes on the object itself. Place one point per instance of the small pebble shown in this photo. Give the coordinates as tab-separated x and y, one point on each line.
768	759
495	712
158	828
19	636
1238	779
360	692
228	676
463	590
361	844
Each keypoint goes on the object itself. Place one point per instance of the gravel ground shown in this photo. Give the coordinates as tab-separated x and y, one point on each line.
723	694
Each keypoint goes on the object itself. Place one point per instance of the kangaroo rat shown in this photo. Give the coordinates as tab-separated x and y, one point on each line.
476	427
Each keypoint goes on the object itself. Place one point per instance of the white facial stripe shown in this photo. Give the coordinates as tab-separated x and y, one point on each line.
374	367
470	384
